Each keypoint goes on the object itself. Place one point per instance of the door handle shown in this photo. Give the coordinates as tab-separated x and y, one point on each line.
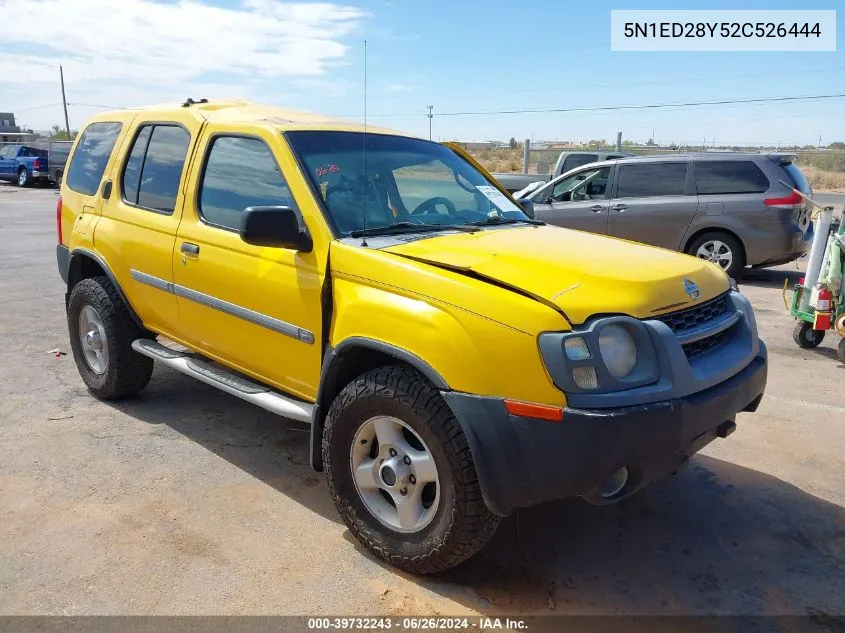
596	208
619	207
190	249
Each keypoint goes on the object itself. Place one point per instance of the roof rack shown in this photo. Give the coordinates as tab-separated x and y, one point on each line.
191	102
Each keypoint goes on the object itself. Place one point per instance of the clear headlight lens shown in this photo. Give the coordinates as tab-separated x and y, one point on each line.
617	350
576	348
585	377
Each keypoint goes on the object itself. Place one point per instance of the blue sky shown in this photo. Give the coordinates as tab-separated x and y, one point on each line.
456	56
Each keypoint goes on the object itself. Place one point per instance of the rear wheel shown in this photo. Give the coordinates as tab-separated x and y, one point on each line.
101	334
805	336
401	474
23	177
720	248
840	351
58	178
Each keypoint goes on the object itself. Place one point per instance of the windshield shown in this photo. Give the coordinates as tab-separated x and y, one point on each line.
397	180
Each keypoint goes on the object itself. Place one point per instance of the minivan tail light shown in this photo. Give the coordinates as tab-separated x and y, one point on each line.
36	164
59	220
793	198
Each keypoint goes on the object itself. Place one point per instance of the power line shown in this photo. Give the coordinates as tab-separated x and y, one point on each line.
97	105
645	106
39	107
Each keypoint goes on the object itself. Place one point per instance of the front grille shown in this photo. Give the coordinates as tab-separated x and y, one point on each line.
692	318
698	348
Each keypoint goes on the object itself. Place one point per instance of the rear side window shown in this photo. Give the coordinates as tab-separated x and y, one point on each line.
91	156
154	169
132	172
730	176
576	160
228	187
647	180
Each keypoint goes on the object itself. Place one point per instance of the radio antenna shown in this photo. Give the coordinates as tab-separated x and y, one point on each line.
365	179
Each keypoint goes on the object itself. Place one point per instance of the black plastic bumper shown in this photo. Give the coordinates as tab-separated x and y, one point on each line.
63	260
523	462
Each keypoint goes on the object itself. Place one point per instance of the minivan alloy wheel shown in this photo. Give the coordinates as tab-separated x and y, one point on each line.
395	474
717	252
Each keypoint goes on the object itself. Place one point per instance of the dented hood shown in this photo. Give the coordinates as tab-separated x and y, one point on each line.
581	274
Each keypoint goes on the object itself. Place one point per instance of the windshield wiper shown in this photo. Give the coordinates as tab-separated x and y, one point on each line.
410	227
498	219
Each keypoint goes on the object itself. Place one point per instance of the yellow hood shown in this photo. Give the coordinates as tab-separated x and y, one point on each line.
582	274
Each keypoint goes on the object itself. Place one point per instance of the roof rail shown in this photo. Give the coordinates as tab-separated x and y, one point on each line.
191	102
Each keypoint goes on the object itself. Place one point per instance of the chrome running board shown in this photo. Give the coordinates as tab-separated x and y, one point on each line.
226	380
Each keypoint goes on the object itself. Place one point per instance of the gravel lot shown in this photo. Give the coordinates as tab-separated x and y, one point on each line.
185	500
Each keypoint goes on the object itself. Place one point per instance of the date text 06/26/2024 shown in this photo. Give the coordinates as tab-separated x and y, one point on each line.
705	30
416	623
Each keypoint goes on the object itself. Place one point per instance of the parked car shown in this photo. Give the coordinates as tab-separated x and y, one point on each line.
455	359
58	155
732	209
23	164
567	161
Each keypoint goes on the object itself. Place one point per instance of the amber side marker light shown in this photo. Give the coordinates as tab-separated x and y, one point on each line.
531	410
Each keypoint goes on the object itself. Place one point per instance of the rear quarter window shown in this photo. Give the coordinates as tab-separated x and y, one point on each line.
91	157
730	176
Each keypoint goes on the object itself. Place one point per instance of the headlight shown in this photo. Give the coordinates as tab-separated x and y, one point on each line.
733	284
617	350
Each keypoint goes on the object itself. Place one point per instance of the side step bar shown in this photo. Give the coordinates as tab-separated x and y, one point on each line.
226	380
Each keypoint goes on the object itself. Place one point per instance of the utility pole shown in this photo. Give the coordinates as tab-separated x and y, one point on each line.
619	141
430	116
820	141
64	101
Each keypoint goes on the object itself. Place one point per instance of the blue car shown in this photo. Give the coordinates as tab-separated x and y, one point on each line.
23	164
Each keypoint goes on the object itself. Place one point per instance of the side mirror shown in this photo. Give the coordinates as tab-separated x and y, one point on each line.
274	226
527	206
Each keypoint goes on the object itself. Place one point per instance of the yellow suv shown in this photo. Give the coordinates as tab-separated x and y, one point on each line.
456	360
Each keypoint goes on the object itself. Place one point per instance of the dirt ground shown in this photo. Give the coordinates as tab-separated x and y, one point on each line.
185	500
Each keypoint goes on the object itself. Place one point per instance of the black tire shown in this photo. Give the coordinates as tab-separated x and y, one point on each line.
840	351
462	524
23	178
58	178
127	371
737	251
805	336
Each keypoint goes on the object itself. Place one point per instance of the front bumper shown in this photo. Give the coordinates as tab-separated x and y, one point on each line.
523	462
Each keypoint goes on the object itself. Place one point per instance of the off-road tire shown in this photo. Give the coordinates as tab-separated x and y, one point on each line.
737	264
127	371
805	336
462	524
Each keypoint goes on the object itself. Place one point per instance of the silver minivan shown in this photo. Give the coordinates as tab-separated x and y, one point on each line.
733	209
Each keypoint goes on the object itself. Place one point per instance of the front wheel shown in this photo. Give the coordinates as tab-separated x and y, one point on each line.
805	336
401	474
721	249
